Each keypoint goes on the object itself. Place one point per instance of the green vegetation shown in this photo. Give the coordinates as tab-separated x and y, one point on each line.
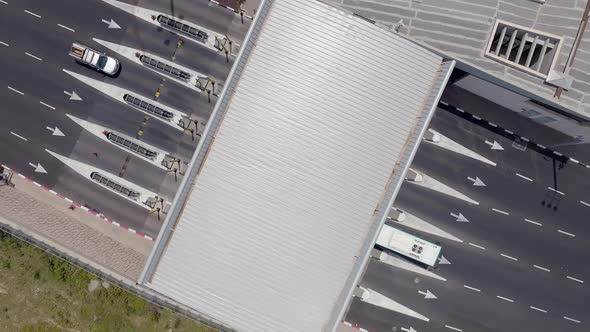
40	292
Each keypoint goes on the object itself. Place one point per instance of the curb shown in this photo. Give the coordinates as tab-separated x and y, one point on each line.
354	326
232	9
84	208
510	135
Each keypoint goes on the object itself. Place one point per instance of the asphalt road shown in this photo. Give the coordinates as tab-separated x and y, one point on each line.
39	102
506	266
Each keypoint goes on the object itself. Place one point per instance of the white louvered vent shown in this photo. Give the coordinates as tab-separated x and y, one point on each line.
532	51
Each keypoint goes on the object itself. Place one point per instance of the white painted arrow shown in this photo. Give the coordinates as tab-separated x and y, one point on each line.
55	131
411	329
443	260
38	168
476	182
73	95
428	295
112	24
460	217
495	145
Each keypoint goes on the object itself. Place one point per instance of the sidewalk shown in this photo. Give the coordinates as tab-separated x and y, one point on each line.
47	218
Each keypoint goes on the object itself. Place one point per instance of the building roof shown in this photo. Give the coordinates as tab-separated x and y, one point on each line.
461	29
298	167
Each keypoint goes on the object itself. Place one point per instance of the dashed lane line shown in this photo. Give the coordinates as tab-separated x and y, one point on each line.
4	2
587	204
566	233
47	105
65	27
3	43
453	328
533	222
33	56
509	257
31	13
542	268
19	136
524	177
538	309
472	288
477	246
15	90
505	298
575	279
571	319
500	211
555	190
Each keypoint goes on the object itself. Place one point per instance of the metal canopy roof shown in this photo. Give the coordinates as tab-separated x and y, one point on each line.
297	169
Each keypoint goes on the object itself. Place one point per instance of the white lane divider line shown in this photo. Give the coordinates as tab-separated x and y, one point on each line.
31	13
509	257
542	268
504	298
500	211
571	319
453	328
33	56
566	233
47	105
477	246
574	279
472	288
3	43
533	222
539	309
65	27
15	90
556	191
524	177
587	204
19	136
4	2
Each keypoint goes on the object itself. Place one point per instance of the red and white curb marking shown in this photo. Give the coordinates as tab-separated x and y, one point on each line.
354	326
76	204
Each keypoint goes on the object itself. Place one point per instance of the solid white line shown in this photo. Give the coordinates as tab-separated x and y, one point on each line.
453	328
566	233
533	222
15	90
538	309
524	177
509	257
572	320
542	268
574	279
504	298
472	288
475	245
587	204
34	57
42	103
557	191
19	136
500	211
31	13
3	43
65	27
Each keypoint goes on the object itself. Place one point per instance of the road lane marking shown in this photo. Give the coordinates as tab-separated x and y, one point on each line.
19	136
555	190
571	319
3	43
475	245
31	13
533	222
524	177
587	204
453	328
500	211
504	298
472	288
574	279
33	56
566	233
4	2
542	268
65	27
47	105
15	90
539	309
509	257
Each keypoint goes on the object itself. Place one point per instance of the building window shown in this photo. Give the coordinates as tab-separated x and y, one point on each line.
532	51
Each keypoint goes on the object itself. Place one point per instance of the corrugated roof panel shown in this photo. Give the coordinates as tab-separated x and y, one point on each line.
319	120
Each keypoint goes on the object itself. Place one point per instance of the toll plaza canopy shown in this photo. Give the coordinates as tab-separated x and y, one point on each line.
294	175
